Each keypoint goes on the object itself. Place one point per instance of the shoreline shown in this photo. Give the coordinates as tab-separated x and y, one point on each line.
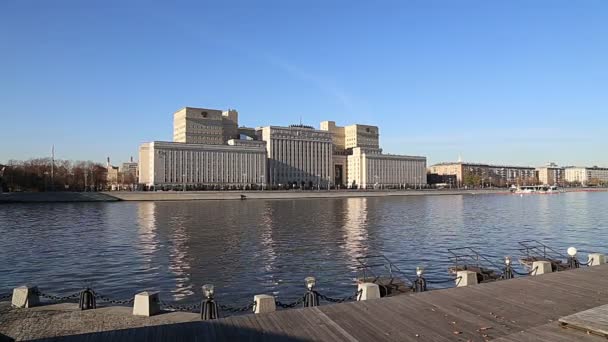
115	196
514	309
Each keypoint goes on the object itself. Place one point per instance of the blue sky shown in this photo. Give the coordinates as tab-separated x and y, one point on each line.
521	82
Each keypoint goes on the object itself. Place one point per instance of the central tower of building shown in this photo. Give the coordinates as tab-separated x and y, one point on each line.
298	154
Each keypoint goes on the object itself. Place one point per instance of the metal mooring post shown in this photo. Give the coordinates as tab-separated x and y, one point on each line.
87	300
208	305
311	298
420	283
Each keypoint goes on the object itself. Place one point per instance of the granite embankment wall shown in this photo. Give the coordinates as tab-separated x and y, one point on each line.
45	197
42	197
236	195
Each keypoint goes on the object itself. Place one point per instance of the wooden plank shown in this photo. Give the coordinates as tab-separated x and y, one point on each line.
550	332
594	321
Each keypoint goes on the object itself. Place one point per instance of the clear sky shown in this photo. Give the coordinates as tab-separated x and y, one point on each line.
521	82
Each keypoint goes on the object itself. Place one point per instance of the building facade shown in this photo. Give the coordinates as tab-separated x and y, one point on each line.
238	163
473	174
586	175
205	126
550	174
369	168
298	154
348	137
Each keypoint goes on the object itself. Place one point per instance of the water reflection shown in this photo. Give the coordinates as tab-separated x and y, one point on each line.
249	247
355	228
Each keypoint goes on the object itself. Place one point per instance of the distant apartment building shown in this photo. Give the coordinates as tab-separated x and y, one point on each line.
205	126
171	163
298	154
130	168
474	174
550	174
586	175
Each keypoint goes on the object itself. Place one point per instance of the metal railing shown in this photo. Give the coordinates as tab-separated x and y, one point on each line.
376	266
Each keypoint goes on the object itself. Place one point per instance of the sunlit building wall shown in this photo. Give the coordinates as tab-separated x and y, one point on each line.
169	163
370	168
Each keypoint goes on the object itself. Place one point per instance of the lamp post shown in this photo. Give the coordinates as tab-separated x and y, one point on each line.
311	298
508	273
208	306
420	283
572	260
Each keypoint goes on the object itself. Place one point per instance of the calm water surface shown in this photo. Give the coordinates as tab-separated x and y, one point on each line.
269	246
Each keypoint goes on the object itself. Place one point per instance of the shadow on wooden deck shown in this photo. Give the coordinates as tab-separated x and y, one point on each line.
189	331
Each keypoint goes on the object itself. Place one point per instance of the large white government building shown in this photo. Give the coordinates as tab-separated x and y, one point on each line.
210	149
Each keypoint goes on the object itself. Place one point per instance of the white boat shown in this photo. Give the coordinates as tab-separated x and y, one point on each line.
536	189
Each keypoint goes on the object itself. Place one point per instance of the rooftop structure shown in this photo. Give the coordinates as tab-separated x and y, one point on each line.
205	126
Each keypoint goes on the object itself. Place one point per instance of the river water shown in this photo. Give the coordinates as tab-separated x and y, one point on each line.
270	246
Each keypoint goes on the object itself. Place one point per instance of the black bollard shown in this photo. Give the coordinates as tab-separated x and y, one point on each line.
87	300
420	282
311	297
508	272
208	305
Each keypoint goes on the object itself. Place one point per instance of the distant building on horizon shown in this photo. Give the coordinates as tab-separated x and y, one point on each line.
551	174
586	175
476	174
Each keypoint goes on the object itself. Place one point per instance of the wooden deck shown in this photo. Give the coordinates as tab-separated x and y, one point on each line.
523	309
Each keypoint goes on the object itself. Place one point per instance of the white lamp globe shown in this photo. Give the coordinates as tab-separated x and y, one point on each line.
572	251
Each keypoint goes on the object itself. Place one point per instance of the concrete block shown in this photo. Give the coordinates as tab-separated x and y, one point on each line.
264	303
595	259
541	267
466	278
25	297
368	291
146	303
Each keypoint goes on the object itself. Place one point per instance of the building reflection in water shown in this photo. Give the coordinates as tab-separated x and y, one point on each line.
147	234
355	228
179	255
266	240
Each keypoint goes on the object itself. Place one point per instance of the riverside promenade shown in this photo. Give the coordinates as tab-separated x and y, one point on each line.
521	309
